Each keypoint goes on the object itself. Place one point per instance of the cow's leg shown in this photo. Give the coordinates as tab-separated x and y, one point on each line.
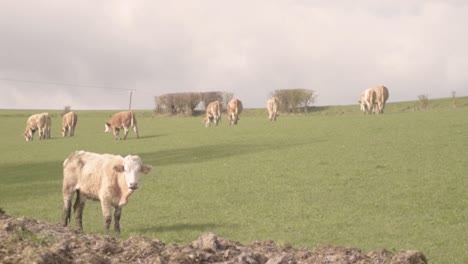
126	132
117	213
116	133
67	202
106	212
78	209
72	131
135	129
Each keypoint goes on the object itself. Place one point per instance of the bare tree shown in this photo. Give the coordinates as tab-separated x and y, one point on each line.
177	103
66	109
208	97
423	101
292	100
226	98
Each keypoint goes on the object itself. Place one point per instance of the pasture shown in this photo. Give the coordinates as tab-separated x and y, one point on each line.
335	176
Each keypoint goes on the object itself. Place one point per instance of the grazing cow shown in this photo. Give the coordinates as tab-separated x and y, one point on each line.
367	100
110	179
36	122
125	120
213	114
272	107
381	98
234	108
69	121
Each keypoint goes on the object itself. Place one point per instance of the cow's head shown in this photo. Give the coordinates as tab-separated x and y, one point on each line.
64	131
28	134
107	126
207	120
133	167
234	119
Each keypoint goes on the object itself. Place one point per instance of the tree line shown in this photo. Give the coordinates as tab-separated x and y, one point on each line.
290	100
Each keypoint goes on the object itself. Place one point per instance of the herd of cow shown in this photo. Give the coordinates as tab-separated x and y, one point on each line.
234	108
42	123
126	120
111	179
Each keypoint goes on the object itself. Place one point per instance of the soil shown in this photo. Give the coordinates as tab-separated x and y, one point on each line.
24	240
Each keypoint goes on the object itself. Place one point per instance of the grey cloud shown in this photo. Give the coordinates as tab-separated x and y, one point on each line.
250	48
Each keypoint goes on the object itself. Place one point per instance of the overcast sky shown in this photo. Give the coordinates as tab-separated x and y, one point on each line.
89	54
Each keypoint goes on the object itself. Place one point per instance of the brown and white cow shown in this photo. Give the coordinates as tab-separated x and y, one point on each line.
381	98
213	114
108	178
234	108
272	107
367	101
125	120
69	121
36	122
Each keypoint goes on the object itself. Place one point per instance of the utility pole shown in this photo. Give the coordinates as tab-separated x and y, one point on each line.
130	101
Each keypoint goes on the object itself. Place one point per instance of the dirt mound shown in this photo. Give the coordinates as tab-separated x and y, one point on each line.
30	241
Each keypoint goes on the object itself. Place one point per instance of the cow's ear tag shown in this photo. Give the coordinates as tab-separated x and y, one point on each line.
119	168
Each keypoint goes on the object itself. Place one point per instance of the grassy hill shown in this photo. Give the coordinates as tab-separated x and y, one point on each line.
331	176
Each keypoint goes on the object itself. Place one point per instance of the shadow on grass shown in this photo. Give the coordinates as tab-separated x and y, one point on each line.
147	136
209	152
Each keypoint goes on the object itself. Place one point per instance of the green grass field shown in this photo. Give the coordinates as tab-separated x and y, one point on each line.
333	176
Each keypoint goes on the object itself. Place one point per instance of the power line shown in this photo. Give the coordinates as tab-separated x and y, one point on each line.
63	84
74	85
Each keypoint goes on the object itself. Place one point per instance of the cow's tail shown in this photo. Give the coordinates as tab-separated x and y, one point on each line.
133	123
132	120
71	126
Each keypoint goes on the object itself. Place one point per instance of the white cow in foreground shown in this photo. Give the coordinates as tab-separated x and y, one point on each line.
37	122
213	114
234	108
110	179
69	121
272	107
367	101
125	120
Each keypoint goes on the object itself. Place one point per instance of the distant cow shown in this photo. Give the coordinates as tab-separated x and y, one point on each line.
381	98
213	113
125	120
234	108
367	101
272	107
69	121
110	179
36	122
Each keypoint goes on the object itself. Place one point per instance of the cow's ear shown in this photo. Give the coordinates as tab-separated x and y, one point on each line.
145	168
119	168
